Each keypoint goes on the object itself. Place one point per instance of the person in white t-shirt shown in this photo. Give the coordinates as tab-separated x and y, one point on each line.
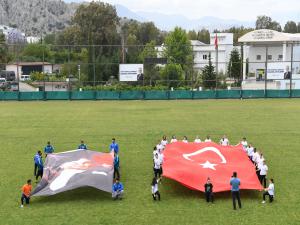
185	140
263	173
159	146
269	191
244	143
207	139
250	151
254	156
164	141
224	141
154	190
197	140
173	140
157	166
259	162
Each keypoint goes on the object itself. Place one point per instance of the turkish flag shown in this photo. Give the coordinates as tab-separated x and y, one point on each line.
191	164
216	41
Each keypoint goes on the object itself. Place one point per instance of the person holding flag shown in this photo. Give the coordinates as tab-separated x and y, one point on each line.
197	140
114	147
208	140
154	189
224	141
269	191
26	192
116	166
36	160
173	140
48	149
82	146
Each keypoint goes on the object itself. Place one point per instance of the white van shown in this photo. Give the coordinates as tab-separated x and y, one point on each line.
25	77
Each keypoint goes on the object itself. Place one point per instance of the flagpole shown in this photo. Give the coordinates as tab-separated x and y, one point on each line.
217	57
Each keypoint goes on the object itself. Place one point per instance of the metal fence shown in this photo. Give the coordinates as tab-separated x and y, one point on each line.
73	69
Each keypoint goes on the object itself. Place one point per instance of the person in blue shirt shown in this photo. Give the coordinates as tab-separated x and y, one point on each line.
36	160
235	190
48	149
116	166
117	190
82	145
114	146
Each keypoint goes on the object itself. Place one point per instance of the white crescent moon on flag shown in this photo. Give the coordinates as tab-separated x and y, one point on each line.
206	149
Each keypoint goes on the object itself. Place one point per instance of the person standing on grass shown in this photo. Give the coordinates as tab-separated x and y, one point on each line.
197	140
185	139
235	190
207	140
36	161
114	147
164	141
40	166
117	190
173	140
244	143
157	166
208	189
263	173
224	141
26	192
154	188
82	146
269	191
259	163
116	166
49	149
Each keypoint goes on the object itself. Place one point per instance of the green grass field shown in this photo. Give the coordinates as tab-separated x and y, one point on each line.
271	125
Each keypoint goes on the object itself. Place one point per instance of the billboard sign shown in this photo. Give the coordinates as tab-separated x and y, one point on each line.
131	72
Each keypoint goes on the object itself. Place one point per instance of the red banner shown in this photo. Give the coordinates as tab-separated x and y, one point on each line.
191	164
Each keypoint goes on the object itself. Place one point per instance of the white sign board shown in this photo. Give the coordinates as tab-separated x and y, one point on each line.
131	72
277	70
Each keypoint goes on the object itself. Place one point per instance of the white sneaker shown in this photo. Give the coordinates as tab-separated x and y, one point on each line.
21	206
263	202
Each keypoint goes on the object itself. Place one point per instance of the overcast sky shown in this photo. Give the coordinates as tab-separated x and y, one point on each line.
226	9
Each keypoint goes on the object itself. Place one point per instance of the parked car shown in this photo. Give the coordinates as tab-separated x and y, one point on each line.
8	75
25	77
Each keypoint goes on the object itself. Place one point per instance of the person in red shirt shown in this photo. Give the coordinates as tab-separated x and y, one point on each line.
26	191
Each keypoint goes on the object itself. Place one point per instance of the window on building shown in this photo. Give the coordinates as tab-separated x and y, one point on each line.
204	57
258	57
270	57
280	57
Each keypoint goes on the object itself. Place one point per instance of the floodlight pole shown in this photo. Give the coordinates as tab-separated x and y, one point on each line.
291	77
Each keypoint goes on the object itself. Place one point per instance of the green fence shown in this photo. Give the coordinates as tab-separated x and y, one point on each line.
147	95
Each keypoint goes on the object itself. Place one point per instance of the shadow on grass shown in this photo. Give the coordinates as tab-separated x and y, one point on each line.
85	194
175	188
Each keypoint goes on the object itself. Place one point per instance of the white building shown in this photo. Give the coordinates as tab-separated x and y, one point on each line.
201	51
26	68
272	55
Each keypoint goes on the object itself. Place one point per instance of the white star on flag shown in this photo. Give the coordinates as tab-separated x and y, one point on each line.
208	165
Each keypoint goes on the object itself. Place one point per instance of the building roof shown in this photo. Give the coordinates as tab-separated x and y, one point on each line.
196	42
30	63
267	36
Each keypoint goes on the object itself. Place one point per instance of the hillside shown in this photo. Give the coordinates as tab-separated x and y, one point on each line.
36	17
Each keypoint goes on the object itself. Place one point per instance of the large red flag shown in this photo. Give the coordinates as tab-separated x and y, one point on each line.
216	41
191	164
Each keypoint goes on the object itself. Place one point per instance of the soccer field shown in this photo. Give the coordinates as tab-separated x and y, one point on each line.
273	126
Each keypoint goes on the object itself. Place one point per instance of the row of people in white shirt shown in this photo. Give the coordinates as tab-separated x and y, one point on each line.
224	140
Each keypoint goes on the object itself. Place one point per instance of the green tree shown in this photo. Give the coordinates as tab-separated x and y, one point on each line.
234	67
238	32
266	22
151	72
172	73
204	36
192	34
36	52
4	55
209	75
290	27
96	24
178	50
